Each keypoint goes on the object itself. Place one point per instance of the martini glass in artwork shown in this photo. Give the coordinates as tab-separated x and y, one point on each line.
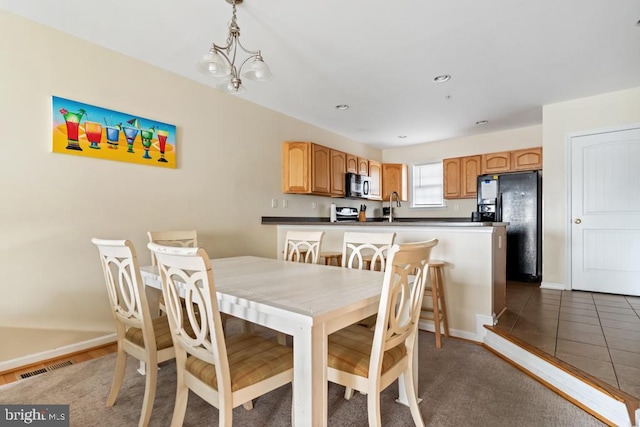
162	140
130	134
147	135
72	120
93	131
113	136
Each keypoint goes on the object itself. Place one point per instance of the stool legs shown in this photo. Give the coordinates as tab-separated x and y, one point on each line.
439	307
439	312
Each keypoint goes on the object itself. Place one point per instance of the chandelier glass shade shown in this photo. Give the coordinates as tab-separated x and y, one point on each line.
220	61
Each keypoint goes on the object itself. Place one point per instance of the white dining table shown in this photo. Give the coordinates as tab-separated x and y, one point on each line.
306	301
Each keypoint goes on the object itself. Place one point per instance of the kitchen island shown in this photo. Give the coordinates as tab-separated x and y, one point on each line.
474	252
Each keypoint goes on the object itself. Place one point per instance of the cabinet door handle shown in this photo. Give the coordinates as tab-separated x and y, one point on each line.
577	221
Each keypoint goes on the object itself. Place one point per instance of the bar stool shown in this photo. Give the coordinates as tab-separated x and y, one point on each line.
438	312
330	257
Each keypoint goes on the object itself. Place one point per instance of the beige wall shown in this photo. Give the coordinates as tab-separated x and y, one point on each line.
52	204
436	151
561	120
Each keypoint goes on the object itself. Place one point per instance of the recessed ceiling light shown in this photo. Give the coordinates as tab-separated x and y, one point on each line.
442	78
482	122
402	136
342	107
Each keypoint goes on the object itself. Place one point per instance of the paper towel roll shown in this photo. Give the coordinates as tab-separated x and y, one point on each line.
333	213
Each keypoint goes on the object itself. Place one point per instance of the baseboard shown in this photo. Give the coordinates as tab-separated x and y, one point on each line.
590	394
56	352
478	336
554	286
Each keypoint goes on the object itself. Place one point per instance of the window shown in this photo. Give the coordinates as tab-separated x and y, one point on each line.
427	186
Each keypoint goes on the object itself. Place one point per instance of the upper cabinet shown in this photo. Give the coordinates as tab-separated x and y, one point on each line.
394	178
527	159
338	169
363	166
461	176
496	162
306	168
352	163
375	176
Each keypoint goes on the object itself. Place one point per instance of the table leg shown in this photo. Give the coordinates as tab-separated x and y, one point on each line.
310	387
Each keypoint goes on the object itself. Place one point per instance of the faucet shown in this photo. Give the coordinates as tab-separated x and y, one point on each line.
391	201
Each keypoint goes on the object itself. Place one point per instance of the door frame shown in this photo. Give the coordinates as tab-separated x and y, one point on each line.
568	205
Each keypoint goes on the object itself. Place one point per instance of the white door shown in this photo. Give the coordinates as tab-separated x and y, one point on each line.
605	212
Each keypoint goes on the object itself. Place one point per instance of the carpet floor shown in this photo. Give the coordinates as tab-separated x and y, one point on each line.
460	384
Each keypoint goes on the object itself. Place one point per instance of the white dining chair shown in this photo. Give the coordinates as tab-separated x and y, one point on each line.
370	360
225	372
303	246
146	339
366	250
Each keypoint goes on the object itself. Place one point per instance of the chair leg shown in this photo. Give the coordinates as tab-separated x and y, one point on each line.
348	393
373	409
121	364
248	405
180	407
149	393
412	397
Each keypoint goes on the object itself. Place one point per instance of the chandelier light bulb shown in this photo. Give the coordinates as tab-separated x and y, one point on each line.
257	70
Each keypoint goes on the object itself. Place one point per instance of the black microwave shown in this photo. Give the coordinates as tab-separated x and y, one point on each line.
357	186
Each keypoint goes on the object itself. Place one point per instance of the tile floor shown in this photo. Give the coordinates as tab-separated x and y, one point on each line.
596	333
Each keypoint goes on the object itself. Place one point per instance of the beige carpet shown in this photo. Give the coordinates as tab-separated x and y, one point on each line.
461	384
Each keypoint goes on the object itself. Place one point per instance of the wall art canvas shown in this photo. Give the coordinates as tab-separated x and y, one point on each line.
90	131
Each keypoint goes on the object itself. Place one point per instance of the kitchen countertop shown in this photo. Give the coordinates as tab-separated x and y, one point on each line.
380	222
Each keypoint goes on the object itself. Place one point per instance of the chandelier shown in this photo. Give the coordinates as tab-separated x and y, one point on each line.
220	61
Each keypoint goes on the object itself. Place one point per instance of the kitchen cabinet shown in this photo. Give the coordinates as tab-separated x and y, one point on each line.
306	168
363	166
496	162
461	176
352	163
375	175
394	178
526	159
338	169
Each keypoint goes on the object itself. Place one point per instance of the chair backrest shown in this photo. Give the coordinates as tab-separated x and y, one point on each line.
178	238
303	246
125	287
401	299
366	250
186	273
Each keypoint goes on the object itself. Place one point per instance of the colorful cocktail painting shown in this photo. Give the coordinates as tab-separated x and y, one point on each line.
86	130
77	126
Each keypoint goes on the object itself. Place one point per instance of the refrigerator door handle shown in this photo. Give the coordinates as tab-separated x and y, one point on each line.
499	208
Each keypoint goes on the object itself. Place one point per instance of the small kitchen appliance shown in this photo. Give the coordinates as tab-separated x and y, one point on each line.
344	214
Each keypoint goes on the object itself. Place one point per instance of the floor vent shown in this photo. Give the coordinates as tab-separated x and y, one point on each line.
47	369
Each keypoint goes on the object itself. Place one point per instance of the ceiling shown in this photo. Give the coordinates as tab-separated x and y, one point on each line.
506	58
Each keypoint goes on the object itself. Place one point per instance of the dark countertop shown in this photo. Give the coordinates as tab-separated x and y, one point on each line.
380	222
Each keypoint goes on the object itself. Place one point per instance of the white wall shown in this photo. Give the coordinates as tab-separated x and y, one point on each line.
559	120
229	169
436	151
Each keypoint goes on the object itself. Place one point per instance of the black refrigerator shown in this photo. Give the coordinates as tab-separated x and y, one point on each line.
516	198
